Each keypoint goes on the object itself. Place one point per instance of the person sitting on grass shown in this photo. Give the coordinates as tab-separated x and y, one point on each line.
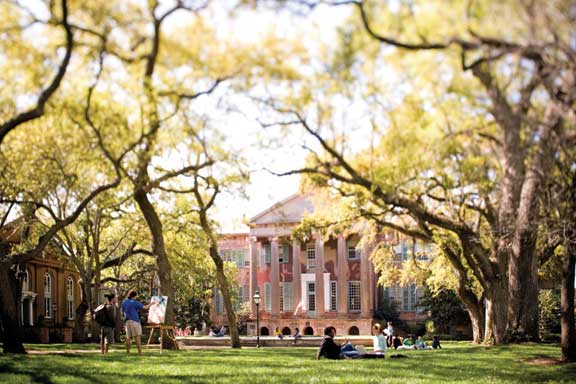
436	343
330	350
421	344
396	342
379	341
408	343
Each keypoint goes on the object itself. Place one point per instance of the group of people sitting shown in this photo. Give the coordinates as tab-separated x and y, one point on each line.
295	336
330	350
218	332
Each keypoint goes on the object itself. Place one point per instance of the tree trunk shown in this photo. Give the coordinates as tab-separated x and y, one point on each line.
225	290
476	311
164	269
9	295
80	322
523	289
568	337
496	313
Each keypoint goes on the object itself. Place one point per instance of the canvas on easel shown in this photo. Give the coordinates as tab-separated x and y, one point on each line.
157	312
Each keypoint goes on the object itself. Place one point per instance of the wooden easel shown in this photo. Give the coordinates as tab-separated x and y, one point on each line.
167	330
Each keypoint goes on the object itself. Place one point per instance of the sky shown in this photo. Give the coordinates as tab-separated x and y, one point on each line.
265	189
241	128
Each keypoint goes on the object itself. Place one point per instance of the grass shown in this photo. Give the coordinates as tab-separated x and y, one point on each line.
457	362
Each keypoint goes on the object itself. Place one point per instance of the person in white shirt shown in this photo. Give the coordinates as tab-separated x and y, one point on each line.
379	341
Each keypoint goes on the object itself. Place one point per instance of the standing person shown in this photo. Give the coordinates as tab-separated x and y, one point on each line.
389	331
379	341
107	321
131	308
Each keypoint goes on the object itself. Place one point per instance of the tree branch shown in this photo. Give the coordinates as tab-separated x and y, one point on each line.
38	110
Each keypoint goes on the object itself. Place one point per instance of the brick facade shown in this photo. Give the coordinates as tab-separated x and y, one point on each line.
308	285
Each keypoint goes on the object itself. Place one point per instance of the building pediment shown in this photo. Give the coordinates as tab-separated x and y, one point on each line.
288	211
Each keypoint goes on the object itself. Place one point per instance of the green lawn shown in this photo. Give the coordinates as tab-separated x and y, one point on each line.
457	362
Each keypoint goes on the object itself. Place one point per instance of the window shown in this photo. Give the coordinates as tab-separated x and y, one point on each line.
286	297
218	301
353	296
245	293
353	252
423	251
236	256
26	281
333	302
284	254
47	295
409	298
70	298
267	297
311	256
267	253
311	297
401	252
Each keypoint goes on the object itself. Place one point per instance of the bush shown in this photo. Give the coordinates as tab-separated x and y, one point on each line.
549	311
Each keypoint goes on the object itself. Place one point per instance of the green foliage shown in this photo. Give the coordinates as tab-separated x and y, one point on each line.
445	309
388	311
549	308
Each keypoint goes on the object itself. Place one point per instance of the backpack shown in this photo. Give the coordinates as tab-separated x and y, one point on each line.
101	315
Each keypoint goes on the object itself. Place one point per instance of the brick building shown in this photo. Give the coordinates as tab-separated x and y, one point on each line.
50	292
308	285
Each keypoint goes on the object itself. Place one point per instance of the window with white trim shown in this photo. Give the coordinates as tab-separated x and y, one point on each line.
311	295
354	296
268	297
409	298
333	295
354	252
47	295
284	254
267	253
236	256
311	256
70	298
286	294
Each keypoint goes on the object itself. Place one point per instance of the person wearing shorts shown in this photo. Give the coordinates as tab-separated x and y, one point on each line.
131	308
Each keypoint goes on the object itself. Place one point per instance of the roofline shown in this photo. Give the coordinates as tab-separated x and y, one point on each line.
273	207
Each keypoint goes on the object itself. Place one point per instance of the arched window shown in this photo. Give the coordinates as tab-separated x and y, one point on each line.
286	331
70	297
47	295
353	331
264	331
308	331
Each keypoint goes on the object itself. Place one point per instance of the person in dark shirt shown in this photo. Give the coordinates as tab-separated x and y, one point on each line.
328	348
107	328
436	343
